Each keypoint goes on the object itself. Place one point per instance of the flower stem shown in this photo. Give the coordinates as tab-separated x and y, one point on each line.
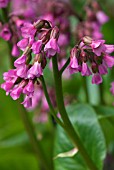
67	124
49	102
35	143
65	66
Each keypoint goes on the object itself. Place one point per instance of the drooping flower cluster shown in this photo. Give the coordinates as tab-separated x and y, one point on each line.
91	57
11	32
39	43
93	22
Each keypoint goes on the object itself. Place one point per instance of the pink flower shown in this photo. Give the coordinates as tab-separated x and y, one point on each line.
27	102
102	17
37	96
112	88
7	86
109	48
3	3
20	61
45	106
109	60
74	62
23	44
37	46
28	30
102	69
29	89
16	92
6	33
98	47
11	75
22	71
73	66
85	70
96	79
15	51
52	47
35	70
63	40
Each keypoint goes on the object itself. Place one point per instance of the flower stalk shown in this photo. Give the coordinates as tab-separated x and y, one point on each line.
49	102
67	124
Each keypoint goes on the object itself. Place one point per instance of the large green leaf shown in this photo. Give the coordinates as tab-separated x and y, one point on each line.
106	119
85	122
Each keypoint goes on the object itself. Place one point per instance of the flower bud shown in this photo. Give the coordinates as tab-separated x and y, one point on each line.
39	24
55	33
87	40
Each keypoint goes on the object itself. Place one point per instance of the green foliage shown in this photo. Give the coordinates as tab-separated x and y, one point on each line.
106	119
85	122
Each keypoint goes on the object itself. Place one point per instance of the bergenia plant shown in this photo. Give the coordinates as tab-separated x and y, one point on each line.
53	49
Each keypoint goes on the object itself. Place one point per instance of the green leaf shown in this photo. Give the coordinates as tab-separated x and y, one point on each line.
106	119
18	161
85	122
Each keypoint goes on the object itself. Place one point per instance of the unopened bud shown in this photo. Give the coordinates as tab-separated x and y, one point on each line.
45	36
55	33
73	52
39	24
87	40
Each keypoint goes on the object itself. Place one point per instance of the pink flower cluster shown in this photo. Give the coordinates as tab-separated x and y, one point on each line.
39	43
11	32
91	57
93	22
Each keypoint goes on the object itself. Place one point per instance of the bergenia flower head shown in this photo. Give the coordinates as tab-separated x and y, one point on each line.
24	78
91	57
93	22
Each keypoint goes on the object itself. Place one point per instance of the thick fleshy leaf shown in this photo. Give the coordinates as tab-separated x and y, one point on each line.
106	119
85	122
